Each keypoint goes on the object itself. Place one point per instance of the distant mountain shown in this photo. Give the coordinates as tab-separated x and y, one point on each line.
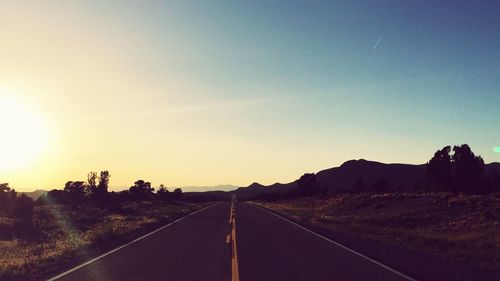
211	195
244	193
35	194
255	185
342	178
221	187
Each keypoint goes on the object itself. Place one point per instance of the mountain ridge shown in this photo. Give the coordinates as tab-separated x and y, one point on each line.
342	178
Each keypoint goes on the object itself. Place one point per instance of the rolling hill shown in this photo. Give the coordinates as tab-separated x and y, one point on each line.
342	178
35	194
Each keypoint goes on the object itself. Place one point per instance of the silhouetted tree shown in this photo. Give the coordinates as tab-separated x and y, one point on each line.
487	185
4	197
7	197
76	191
416	187
91	183
119	196
439	170
56	196
101	196
462	171
97	188
177	194
380	185
306	186
104	181
468	169
359	185
141	190
163	194
323	190
23	213
496	183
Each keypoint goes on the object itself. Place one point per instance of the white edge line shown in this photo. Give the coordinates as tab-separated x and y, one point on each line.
123	246
340	245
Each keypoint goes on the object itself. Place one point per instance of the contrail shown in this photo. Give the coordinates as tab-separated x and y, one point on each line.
378	41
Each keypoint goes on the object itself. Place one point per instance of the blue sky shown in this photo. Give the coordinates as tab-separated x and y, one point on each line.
432	78
235	92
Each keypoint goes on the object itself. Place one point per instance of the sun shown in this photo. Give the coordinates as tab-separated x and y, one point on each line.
23	136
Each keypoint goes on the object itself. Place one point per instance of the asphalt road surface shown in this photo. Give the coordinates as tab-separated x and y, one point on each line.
247	244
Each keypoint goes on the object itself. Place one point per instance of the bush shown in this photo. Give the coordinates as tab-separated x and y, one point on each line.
23	214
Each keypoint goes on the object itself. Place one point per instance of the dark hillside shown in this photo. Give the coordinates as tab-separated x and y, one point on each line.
342	178
399	176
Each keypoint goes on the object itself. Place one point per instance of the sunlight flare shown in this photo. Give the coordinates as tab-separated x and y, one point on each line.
24	136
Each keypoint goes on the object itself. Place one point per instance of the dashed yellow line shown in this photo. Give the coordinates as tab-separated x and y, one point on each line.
231	213
235	275
234	256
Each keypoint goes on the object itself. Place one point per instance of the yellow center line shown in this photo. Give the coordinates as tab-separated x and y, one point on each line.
231	238
234	254
231	213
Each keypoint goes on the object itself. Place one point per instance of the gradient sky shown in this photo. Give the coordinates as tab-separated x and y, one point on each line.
216	92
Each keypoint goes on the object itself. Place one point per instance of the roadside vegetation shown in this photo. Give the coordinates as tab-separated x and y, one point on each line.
453	226
39	238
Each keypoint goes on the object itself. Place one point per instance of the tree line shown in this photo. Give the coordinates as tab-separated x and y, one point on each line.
459	170
95	191
454	170
20	208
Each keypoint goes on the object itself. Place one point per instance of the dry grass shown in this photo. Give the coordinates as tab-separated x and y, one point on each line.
65	234
465	228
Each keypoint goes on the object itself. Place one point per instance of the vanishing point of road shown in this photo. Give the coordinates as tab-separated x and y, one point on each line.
232	241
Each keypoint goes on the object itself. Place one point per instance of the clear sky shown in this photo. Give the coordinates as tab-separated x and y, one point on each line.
216	92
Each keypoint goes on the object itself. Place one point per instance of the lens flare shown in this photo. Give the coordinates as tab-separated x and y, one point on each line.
497	149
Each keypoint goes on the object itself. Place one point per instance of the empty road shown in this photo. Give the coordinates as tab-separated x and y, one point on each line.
232	241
